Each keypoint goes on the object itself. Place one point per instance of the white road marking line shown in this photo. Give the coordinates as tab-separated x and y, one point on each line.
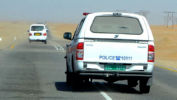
104	94
107	97
61	48
53	44
56	47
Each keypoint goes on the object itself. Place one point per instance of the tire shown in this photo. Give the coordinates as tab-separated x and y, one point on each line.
143	86
45	42
68	78
68	75
132	83
76	79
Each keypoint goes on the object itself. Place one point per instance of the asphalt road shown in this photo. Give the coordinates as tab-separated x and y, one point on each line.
36	72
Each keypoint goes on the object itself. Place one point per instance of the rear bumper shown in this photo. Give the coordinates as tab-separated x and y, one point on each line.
37	38
115	74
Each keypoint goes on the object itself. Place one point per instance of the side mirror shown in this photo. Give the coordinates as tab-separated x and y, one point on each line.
67	35
47	30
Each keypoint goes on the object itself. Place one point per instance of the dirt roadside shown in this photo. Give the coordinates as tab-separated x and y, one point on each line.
11	32
165	46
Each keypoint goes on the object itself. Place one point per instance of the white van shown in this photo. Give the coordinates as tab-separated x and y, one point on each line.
38	32
111	46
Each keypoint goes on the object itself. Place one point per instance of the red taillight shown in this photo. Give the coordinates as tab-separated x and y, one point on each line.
45	34
80	51
151	55
80	45
151	48
30	34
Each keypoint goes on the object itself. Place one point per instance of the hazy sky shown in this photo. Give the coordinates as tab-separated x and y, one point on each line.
71	10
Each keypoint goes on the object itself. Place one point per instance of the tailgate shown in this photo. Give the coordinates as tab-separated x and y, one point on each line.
116	52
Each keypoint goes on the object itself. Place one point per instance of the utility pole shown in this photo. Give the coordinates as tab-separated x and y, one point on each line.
170	18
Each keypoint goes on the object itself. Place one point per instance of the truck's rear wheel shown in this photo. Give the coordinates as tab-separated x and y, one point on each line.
75	78
144	88
45	41
68	78
68	75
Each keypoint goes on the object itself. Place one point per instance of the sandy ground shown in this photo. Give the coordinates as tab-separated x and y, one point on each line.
165	46
11	32
165	39
58	30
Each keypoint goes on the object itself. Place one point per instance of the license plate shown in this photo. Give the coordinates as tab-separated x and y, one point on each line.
37	34
115	67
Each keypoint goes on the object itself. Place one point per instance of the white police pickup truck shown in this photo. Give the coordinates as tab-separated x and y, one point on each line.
111	46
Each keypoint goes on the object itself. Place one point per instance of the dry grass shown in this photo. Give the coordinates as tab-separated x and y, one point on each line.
11	30
165	45
58	30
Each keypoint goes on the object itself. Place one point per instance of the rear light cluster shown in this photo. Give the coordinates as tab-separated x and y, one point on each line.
45	34
30	34
151	53
80	51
